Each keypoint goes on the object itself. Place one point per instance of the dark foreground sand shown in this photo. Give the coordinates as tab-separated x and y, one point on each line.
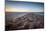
28	21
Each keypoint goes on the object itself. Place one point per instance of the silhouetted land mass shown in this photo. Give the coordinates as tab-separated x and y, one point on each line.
28	21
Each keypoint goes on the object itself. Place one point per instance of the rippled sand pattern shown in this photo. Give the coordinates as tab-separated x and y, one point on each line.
29	21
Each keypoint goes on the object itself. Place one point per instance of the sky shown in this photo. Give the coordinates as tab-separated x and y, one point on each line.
29	0
21	6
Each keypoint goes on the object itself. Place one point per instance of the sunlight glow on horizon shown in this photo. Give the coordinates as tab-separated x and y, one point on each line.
16	10
10	9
